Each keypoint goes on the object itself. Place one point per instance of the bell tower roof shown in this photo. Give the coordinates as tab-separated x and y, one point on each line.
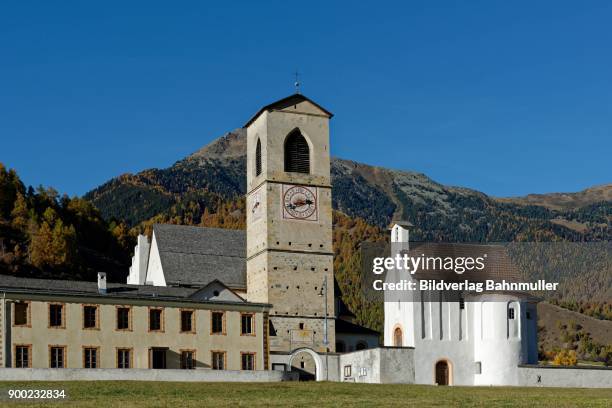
296	103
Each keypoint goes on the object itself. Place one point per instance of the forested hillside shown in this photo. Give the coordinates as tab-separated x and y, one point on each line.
45	235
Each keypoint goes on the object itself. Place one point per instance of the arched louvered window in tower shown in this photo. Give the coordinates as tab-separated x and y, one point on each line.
258	158
297	153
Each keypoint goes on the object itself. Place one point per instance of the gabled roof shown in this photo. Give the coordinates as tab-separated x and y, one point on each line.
286	102
197	256
401	223
215	283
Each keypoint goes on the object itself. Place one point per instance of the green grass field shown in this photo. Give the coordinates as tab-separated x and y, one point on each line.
289	394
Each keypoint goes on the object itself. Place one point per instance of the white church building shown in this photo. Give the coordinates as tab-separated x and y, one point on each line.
461	338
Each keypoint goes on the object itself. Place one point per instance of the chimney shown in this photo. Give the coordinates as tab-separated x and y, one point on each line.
102	283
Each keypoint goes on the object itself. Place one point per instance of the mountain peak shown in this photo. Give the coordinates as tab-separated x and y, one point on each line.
232	145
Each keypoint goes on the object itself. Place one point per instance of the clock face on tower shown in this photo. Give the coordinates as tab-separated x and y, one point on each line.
299	203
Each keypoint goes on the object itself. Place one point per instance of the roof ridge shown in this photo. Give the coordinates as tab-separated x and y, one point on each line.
202	253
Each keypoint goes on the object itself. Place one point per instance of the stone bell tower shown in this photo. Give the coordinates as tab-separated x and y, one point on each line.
289	222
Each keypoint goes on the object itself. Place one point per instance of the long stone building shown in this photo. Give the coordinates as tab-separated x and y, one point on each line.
68	324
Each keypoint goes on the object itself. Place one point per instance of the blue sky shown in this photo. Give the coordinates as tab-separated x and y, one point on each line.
508	98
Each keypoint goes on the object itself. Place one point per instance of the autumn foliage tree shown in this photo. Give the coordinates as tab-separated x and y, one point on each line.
53	243
45	235
565	358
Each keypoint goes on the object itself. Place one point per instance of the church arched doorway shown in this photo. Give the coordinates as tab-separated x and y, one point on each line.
443	372
307	364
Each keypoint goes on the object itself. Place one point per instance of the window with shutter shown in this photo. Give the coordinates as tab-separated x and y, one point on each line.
297	153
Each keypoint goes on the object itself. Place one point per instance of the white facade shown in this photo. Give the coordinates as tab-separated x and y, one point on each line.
476	341
140	260
146	266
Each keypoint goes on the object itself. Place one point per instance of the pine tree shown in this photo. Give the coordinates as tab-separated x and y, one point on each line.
53	244
41	251
20	213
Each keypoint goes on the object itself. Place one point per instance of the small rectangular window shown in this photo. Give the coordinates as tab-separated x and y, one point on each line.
217	323
155	320
511	313
187	359
90	357
248	361
123	358
56	313
90	314
246	324
478	367
57	357
528	314
218	360
347	370
123	318
186	320
21	314
22	356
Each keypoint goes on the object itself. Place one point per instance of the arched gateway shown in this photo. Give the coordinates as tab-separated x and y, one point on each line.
297	357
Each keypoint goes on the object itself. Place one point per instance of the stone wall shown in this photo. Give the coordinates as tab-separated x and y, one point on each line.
101	374
383	365
556	376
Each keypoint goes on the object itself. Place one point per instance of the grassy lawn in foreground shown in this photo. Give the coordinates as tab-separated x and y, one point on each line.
288	394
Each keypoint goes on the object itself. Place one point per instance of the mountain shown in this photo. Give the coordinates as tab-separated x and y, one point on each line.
565	201
376	194
210	184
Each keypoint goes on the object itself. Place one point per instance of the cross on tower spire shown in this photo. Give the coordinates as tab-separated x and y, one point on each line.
297	82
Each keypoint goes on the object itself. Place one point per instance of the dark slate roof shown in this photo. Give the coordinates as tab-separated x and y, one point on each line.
57	287
498	264
401	223
197	256
346	327
285	102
